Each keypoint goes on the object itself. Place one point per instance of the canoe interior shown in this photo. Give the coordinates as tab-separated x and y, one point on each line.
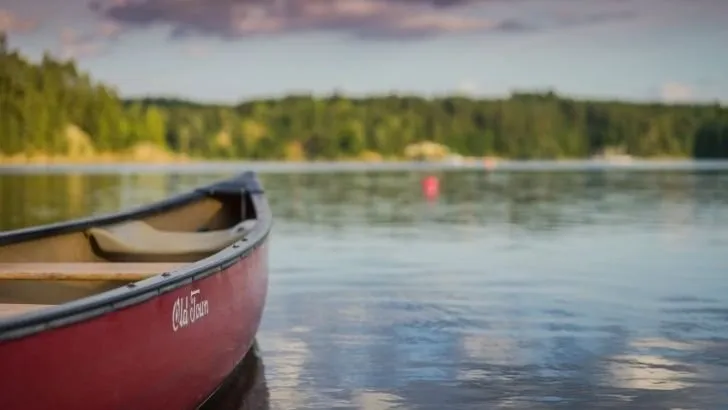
58	268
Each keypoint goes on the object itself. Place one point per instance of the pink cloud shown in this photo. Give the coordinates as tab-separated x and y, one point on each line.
109	29
197	50
676	92
75	44
13	23
231	19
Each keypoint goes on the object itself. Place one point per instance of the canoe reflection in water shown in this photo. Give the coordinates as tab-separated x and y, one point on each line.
245	388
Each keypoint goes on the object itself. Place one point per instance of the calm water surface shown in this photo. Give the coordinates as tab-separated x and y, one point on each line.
601	289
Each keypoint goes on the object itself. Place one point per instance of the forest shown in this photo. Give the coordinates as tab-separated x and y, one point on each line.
50	108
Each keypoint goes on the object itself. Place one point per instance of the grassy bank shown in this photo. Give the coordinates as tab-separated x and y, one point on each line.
151	154
141	153
111	158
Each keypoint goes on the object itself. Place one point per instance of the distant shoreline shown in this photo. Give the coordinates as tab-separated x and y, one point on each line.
177	159
41	159
305	167
164	157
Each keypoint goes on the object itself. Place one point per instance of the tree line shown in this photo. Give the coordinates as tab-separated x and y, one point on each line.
52	108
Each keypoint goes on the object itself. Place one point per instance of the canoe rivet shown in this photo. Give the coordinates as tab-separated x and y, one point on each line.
244	239
131	285
236	245
166	274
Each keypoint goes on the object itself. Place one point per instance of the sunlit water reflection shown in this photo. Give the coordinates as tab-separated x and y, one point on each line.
510	290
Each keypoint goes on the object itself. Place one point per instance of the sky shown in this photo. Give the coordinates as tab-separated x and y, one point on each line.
233	50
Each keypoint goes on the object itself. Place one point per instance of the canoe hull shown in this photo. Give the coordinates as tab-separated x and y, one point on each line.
168	352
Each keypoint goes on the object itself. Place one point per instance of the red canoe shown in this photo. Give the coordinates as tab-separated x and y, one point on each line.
147	309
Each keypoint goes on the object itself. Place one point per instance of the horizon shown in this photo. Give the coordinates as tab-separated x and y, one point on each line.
425	96
643	51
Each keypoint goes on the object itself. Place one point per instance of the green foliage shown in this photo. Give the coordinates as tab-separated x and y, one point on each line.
38	103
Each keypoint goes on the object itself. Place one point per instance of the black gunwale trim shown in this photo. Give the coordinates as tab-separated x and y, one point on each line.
137	292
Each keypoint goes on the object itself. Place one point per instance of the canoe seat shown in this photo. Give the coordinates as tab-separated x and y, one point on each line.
84	271
140	238
13	309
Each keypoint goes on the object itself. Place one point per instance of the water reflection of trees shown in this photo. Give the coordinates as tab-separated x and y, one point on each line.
31	199
534	201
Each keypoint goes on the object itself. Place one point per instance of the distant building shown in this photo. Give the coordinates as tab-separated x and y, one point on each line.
427	151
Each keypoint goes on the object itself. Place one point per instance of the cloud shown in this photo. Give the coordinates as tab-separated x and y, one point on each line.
573	19
13	23
676	92
371	19
197	50
75	44
468	87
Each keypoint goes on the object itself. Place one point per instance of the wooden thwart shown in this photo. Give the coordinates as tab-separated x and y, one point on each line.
12	309
94	271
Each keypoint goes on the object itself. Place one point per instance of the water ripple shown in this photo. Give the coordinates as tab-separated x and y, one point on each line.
514	290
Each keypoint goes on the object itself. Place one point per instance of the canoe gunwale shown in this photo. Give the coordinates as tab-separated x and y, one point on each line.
138	292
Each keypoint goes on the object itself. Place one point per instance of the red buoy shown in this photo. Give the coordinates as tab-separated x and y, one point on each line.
431	186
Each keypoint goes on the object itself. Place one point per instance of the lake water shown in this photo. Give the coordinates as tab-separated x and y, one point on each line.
512	289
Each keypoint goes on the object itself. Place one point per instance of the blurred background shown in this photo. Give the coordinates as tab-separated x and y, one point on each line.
478	204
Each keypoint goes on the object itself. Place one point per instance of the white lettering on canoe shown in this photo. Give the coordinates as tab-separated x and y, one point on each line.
188	310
